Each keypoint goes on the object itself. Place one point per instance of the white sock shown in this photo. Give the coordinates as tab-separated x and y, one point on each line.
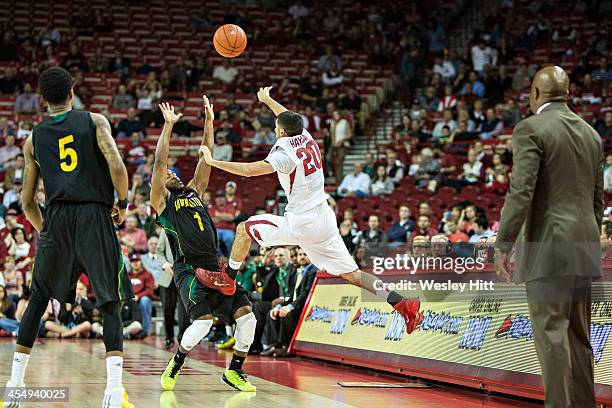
20	362
229	330
114	370
235	265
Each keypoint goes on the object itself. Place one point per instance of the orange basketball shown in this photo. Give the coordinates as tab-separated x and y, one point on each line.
230	40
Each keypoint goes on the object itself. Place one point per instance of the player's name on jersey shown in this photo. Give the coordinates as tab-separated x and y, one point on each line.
187	202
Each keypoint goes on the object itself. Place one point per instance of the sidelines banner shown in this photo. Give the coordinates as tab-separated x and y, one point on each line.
477	334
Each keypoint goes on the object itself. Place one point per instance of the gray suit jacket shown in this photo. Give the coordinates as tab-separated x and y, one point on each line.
555	200
165	255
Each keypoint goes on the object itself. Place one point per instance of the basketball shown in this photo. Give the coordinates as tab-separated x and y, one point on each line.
230	40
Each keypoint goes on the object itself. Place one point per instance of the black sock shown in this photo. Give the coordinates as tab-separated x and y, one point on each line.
236	363
179	358
394	298
231	272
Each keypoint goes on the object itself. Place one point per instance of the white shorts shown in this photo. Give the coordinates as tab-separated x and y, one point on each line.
315	231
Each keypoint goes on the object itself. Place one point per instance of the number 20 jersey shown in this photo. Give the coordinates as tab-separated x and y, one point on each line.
71	164
298	162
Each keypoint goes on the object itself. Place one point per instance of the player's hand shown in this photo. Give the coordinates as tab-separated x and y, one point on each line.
205	153
118	215
264	94
168	112
284	311
501	266
209	114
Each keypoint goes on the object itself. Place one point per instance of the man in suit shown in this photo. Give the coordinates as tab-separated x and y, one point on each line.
555	203
14	174
278	286
288	313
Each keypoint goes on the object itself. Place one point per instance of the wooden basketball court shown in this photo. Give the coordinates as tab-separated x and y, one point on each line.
296	383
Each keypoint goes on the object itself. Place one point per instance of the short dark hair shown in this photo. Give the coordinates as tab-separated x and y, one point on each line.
482	222
54	85
292	123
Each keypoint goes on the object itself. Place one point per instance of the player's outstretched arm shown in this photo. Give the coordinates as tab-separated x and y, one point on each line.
264	96
159	192
257	168
202	171
30	183
118	172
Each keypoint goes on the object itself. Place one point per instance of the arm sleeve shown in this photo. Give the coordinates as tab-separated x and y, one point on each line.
280	161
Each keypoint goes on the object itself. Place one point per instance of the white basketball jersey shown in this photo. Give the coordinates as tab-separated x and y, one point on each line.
299	165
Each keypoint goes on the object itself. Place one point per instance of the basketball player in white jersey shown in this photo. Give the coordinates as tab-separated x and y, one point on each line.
308	221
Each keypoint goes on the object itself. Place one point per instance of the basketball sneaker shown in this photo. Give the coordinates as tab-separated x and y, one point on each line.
220	281
167	399
238	379
11	400
169	376
226	344
409	309
116	398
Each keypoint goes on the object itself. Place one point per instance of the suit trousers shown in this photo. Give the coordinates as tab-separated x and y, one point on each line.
169	298
560	312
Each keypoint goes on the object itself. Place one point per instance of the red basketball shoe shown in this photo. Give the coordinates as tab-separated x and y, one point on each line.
220	281
409	309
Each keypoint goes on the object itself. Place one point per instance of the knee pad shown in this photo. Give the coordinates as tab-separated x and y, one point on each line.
245	332
195	332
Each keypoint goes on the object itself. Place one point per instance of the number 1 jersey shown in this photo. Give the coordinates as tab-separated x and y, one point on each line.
299	165
71	164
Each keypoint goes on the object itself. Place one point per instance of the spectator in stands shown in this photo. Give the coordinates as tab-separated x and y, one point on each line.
145	221
311	89
373	235
123	100
604	127
521	78
329	58
19	248
608	174
129	125
430	100
471	171
7	128
428	173
132	236
481	229
351	101
340	134
264	139
467	221
27	102
11	196
454	234
445	69
75	318
333	75
98	62
369	167
496	169
395	168
13	279
423	228
476	86
481	56
381	184
74	59
9	85
298	10
603	74
448	101
232	198
223	215
477	114
512	113
356	184
225	73
312	121
49	35
326	98
265	117
151	261
420	246
153	116
440	246
14	173
222	151
448	121
119	64
143	285
348	234
400	230
425	209
130	317
492	126
8	323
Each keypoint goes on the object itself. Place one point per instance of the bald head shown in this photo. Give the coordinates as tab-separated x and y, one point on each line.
550	84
